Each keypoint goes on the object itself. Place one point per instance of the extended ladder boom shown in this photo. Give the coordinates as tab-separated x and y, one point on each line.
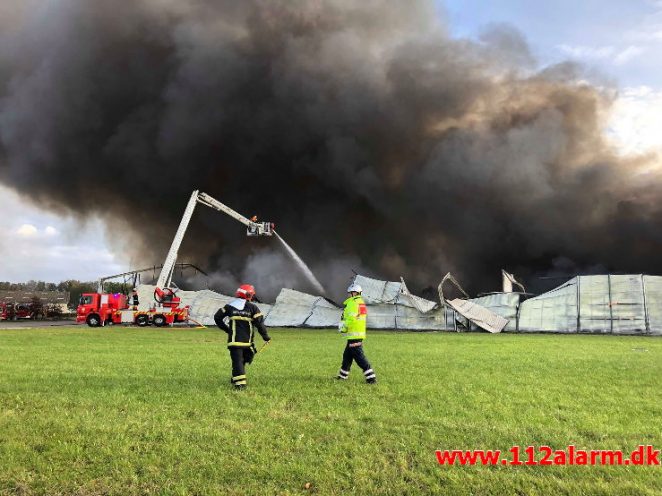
254	229
169	265
205	199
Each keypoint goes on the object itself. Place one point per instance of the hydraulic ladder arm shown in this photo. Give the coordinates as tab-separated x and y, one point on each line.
254	228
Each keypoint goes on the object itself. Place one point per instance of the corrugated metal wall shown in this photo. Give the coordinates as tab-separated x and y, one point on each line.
600	304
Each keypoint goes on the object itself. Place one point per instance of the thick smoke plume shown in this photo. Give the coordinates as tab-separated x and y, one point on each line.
372	138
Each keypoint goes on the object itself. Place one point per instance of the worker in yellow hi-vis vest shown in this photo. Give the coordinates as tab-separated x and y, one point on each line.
239	319
353	328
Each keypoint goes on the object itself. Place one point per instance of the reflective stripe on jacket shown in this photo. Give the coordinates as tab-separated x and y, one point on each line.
240	323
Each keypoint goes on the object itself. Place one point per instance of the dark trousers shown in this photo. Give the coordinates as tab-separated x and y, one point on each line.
354	352
240	357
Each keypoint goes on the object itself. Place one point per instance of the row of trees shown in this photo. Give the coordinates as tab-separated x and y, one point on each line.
37	286
74	287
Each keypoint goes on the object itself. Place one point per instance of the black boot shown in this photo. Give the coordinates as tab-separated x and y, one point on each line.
370	376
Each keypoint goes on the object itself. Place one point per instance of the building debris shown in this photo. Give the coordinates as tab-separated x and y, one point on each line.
508	280
503	304
606	304
473	312
392	306
478	315
296	309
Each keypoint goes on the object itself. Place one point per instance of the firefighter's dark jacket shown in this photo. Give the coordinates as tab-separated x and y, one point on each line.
241	323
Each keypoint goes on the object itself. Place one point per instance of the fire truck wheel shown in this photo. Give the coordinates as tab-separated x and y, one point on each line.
93	320
142	320
159	320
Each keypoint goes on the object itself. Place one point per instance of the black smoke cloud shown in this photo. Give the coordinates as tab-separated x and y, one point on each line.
373	139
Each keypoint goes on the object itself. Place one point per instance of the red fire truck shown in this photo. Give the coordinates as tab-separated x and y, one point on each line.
24	311
97	309
7	311
16	311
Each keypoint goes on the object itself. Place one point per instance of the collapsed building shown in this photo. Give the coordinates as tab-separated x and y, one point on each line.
296	309
391	306
604	304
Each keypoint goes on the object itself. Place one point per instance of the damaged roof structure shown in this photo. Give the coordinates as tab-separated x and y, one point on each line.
291	309
604	304
296	309
392	306
469	313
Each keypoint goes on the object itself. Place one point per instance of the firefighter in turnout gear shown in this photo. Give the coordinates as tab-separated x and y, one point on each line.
134	299
239	319
353	327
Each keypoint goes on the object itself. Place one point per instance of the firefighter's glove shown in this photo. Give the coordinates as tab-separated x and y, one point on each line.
341	327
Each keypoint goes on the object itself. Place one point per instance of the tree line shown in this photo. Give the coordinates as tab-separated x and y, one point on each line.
74	287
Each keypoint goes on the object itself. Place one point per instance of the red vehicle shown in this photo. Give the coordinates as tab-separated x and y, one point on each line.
7	311
98	309
23	311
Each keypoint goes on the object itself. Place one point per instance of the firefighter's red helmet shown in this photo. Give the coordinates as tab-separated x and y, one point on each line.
245	291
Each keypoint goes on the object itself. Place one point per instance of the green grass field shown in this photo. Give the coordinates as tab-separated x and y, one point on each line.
135	411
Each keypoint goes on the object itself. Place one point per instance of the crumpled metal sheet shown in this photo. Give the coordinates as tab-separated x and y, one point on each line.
393	293
504	304
481	316
297	309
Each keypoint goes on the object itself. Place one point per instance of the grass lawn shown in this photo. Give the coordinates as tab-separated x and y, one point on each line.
138	411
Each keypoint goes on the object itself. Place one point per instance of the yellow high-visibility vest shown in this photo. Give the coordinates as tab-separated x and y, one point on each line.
354	317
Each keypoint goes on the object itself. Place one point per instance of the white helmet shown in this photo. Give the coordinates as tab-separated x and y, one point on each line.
354	288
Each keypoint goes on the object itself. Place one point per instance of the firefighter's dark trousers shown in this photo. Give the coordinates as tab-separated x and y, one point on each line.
354	353
240	357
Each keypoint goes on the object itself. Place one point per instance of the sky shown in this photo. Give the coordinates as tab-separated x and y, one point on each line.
622	38
620	41
38	245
